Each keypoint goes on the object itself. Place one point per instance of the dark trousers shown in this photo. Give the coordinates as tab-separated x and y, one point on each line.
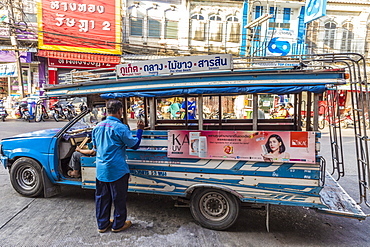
108	193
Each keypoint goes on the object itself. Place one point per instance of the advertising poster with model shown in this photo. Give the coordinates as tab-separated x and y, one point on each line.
269	146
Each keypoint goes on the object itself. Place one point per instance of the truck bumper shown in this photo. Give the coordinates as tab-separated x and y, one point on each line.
4	161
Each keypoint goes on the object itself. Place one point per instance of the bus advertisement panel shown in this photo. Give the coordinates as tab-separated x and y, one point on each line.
269	146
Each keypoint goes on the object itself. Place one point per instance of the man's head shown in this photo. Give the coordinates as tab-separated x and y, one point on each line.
114	106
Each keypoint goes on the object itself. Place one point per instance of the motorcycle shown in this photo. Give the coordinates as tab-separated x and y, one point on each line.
25	114
348	120
57	112
83	106
3	112
69	111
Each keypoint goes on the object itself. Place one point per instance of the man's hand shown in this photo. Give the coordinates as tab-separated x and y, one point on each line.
140	124
78	149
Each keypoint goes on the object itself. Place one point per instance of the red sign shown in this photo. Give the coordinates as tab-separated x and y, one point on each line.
92	26
299	139
72	64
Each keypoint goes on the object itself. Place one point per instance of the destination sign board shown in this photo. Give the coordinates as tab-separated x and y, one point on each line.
175	65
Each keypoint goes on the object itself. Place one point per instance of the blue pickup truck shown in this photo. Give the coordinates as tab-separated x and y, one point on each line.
214	186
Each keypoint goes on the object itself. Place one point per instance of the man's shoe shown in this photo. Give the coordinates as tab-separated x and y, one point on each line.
106	229
124	227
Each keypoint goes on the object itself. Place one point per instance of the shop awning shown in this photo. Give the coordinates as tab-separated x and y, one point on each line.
77	56
230	90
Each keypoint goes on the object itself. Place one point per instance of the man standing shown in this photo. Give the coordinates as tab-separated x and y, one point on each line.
110	139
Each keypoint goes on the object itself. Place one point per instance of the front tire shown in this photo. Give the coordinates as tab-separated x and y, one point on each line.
56	116
214	209
26	177
343	124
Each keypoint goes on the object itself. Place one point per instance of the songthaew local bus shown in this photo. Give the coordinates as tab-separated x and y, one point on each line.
220	133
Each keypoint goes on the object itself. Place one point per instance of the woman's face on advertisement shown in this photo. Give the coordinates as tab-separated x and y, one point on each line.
274	144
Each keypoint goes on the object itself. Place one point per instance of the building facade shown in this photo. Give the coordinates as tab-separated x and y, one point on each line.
157	28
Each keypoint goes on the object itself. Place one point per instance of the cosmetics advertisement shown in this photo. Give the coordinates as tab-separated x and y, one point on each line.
268	146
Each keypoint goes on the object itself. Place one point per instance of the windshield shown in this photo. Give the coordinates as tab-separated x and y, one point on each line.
85	125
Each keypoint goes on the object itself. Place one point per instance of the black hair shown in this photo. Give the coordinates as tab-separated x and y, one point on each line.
113	106
278	138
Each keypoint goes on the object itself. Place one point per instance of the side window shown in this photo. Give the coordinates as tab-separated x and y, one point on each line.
169	108
210	107
136	109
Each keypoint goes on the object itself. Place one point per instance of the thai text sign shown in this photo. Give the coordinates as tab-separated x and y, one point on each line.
176	65
73	64
92	26
268	146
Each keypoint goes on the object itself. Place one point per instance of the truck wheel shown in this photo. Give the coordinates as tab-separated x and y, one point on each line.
214	209
26	177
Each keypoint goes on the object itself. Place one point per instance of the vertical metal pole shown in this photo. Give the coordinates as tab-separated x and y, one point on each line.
124	117
249	37
316	112
152	113
219	111
298	112
200	111
255	112
268	217
309	108
9	86
16	48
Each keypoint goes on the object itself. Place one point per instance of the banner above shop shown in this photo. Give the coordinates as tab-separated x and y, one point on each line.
75	56
73	64
263	146
92	26
9	57
175	65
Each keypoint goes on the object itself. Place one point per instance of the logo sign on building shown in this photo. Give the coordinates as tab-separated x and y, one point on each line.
280	42
8	69
92	26
314	9
176	65
4	16
295	147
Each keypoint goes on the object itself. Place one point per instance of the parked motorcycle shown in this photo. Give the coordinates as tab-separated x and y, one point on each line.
348	120
23	110
83	106
3	112
69	111
57	112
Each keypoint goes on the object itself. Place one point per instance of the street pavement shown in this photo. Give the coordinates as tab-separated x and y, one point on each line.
68	219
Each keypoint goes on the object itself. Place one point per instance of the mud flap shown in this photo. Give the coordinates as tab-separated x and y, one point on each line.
50	189
338	201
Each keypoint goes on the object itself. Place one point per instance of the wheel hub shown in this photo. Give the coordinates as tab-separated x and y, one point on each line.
27	178
214	206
